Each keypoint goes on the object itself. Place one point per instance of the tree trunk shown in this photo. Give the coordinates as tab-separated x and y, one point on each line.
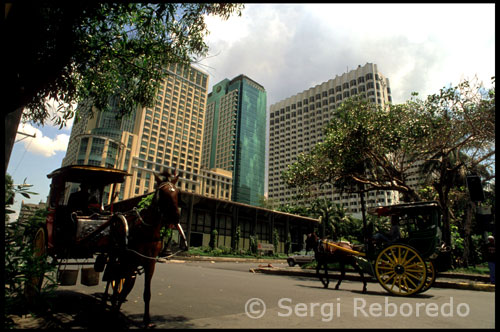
469	212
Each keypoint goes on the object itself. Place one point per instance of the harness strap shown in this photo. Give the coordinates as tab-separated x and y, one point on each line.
157	259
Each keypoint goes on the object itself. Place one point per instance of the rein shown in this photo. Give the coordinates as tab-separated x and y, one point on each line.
157	259
136	212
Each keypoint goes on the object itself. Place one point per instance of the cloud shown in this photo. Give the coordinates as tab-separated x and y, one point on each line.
289	48
41	144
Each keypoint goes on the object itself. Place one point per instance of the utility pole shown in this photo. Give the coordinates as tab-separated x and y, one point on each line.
27	135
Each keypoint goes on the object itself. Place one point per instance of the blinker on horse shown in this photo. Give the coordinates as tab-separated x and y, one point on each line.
324	255
143	243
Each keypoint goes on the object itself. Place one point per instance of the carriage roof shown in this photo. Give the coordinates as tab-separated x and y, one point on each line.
398	209
88	174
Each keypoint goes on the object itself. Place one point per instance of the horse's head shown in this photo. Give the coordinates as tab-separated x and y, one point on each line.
168	196
168	200
311	241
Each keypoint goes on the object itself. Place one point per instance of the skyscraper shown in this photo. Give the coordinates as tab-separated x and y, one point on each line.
297	122
166	135
235	135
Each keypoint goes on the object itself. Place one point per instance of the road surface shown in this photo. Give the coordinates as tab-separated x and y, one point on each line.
227	295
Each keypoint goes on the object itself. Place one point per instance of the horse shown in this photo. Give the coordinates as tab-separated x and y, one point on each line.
140	247
325	254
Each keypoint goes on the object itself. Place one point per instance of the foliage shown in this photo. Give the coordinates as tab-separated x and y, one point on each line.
145	202
254	244
288	243
237	236
21	264
11	191
213	239
449	133
276	239
363	144
85	53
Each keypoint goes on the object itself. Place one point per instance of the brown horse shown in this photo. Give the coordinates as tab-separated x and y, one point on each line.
326	254
138	250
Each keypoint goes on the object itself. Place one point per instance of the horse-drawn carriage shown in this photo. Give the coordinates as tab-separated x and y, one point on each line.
119	244
402	267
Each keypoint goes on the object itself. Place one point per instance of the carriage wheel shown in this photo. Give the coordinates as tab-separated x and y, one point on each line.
431	276
400	270
33	285
117	286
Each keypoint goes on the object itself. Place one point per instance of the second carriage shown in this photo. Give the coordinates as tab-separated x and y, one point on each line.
408	265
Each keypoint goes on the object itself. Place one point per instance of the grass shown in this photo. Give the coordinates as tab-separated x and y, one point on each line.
228	252
478	269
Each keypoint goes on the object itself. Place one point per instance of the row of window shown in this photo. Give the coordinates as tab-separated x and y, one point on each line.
338	88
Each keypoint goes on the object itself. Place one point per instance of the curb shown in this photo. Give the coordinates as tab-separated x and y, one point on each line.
476	280
231	259
348	276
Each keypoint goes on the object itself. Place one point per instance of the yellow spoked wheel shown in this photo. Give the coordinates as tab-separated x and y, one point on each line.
117	285
400	270
431	276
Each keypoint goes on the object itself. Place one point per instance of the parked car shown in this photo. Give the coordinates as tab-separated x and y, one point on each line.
300	258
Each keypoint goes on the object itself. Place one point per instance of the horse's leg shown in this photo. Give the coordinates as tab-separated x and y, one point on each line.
148	275
360	271
326	280
342	273
105	295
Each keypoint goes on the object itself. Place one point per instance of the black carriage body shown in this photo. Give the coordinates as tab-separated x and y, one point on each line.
420	224
82	232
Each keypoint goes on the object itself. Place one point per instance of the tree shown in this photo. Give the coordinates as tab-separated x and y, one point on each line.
364	145
436	132
460	124
87	52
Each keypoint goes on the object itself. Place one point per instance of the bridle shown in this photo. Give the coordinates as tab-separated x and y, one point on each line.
172	187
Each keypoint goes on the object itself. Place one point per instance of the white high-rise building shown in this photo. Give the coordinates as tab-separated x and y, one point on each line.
296	125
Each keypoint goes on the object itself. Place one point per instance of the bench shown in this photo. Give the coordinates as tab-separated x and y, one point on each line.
265	248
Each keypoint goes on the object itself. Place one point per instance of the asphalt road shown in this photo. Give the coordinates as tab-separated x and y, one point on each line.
227	295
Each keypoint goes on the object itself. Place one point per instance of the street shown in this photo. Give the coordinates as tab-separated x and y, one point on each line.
227	295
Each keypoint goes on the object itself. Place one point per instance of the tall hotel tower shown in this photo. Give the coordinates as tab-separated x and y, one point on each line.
235	135
296	125
166	135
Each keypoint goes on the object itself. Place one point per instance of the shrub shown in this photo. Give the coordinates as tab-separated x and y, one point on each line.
21	264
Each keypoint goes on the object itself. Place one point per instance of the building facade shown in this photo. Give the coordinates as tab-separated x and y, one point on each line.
296	125
235	136
28	210
167	135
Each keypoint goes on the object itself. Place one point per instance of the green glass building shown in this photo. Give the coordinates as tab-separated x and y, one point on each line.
235	135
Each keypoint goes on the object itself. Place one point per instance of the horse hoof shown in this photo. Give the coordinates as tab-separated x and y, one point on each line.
336	287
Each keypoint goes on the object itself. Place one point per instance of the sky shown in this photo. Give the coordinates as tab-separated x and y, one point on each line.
289	48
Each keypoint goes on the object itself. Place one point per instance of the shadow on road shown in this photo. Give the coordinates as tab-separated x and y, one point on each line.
73	310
